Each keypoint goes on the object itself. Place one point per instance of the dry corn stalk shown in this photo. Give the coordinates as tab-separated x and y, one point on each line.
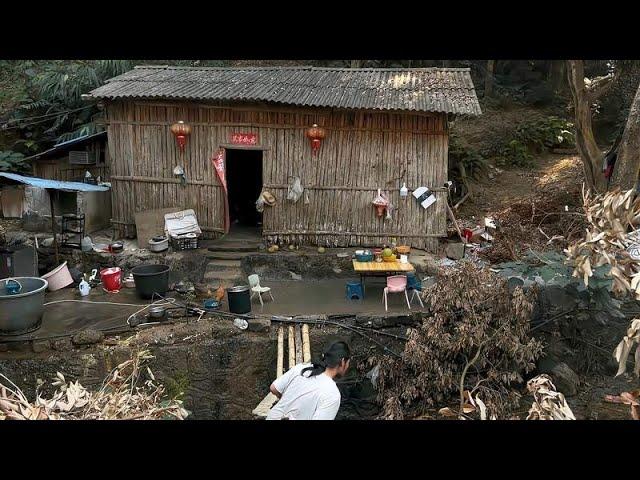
548	404
120	398
614	220
624	348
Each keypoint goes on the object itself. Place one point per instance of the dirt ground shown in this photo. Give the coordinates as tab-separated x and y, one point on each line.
540	208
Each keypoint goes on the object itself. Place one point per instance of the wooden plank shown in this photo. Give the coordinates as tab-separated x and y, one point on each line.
299	355
265	405
306	344
292	347
280	367
382	267
151	223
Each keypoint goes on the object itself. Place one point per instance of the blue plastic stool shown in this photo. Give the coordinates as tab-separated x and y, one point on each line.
413	282
354	291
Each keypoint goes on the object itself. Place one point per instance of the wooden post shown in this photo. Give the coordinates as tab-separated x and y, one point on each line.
280	367
298	345
292	348
53	225
306	345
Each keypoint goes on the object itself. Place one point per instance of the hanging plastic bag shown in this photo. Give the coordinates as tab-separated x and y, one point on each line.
260	204
295	189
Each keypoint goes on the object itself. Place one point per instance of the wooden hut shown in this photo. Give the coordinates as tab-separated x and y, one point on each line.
384	127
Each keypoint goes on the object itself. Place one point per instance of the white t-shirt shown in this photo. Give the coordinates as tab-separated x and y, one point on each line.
305	398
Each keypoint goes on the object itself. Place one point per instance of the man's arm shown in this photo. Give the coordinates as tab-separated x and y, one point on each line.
275	391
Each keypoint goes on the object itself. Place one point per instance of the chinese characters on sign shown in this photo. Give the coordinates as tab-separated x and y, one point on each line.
244	138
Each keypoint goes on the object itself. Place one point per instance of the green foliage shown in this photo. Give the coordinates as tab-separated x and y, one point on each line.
471	159
13	162
535	137
514	153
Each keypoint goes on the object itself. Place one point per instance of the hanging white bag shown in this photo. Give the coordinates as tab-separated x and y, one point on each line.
295	189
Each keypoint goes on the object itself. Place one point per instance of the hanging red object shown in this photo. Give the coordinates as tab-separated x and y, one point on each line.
316	134
181	131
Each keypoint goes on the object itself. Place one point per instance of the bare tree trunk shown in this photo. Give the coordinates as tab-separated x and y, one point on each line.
557	75
488	78
592	157
627	166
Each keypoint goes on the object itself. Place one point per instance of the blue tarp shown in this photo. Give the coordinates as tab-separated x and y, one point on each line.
54	184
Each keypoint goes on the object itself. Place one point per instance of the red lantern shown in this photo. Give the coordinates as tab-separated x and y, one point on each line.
316	134
181	131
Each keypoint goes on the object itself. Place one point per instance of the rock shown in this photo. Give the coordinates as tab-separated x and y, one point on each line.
337	270
16	238
47	242
565	379
455	251
62	344
88	337
295	276
259	325
321	249
76	275
40	346
558	297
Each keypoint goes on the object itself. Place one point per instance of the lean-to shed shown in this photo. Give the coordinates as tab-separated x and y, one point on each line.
383	128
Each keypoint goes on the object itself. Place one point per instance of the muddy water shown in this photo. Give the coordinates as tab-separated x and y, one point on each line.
326	297
69	317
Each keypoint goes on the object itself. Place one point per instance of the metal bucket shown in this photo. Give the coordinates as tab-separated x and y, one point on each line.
22	312
239	298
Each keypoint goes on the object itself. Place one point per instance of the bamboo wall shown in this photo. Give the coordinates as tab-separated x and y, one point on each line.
59	168
363	151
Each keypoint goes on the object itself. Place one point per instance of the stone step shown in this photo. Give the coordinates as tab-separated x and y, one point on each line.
227	255
223	265
234	247
213	276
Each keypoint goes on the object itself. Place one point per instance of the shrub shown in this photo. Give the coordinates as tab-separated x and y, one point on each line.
12	162
476	339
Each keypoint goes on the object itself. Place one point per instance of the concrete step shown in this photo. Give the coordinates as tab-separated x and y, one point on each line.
227	255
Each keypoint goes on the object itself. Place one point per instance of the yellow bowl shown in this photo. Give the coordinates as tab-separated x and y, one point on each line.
391	258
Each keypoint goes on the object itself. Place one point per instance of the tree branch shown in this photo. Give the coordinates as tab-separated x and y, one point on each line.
598	86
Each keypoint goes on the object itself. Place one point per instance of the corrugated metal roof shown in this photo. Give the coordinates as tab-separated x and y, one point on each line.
69	143
53	184
447	90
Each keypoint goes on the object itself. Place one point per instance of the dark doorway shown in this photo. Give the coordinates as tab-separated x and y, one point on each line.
244	181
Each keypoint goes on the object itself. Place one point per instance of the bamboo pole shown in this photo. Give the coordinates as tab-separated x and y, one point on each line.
306	345
292	347
280	367
298	344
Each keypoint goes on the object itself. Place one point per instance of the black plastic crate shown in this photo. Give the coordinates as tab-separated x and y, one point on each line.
183	243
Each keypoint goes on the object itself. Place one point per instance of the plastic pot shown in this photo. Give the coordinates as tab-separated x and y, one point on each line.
151	279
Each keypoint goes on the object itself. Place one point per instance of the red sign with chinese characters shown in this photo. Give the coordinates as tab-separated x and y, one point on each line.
239	138
219	164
